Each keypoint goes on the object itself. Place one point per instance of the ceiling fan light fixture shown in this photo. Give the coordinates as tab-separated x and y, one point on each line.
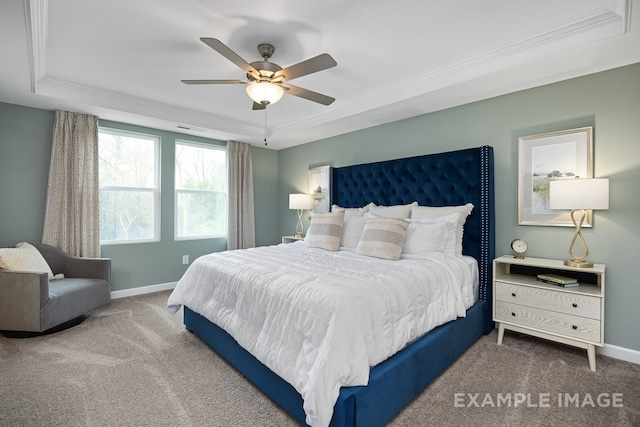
264	92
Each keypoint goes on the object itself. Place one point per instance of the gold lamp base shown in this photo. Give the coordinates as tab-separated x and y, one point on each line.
578	263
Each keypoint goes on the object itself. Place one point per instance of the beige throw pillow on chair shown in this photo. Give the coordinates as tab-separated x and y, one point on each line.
24	257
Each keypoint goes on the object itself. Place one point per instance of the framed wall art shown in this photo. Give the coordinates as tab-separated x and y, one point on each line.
543	157
320	188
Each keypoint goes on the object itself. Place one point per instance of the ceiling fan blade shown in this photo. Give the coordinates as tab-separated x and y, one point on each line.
318	63
223	50
307	94
257	106
213	82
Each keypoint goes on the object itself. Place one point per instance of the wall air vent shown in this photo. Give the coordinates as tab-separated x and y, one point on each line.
185	127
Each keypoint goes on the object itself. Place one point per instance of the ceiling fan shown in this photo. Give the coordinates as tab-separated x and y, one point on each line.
266	80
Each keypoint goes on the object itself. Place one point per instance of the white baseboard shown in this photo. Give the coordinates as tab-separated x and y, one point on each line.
621	353
143	290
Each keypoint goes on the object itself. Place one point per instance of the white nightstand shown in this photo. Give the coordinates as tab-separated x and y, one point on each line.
291	239
573	316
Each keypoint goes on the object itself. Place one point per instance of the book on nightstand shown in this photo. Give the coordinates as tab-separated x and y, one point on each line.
558	280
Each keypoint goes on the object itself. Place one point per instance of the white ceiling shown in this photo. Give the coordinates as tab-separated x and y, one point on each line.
123	60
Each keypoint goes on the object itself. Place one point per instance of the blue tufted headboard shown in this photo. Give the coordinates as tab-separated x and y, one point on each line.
443	179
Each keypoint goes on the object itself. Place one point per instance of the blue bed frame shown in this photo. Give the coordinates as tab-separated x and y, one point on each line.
443	179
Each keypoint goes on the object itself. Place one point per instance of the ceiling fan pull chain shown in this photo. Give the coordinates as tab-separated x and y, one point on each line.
265	126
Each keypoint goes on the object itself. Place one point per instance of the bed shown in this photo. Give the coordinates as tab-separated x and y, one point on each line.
445	179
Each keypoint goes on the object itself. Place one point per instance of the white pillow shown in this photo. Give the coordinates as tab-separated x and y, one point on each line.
425	212
325	230
383	238
24	257
352	231
352	212
426	237
395	211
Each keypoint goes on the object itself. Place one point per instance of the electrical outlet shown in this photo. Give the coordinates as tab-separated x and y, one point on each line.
185	259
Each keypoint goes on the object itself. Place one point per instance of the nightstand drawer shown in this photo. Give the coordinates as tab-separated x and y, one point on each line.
548	299
549	321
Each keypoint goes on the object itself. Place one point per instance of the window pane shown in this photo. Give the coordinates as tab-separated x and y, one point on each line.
127	160
201	214
126	215
200	168
201	190
129	192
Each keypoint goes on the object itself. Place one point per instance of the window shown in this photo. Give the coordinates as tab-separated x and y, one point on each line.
129	186
201	191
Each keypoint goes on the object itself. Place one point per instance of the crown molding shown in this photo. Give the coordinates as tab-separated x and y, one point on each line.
36	22
135	105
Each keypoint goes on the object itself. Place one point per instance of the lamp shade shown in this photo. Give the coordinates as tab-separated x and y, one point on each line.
265	92
579	193
300	201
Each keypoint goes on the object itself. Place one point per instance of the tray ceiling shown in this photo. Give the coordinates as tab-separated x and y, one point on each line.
123	60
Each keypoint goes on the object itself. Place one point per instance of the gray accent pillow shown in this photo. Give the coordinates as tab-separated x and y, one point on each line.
325	230
383	238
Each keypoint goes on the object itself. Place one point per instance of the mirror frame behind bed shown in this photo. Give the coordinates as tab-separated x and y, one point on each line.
442	179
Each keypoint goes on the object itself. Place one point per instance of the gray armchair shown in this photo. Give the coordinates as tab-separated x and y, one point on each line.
30	302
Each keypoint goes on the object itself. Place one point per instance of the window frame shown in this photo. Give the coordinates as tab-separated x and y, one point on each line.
176	191
156	190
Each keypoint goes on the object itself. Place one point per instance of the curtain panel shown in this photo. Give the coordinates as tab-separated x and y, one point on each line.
241	221
72	212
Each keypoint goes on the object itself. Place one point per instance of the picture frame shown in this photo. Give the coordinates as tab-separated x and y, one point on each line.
319	181
546	156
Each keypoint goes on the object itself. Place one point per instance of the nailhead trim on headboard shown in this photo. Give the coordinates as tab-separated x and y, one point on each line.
487	251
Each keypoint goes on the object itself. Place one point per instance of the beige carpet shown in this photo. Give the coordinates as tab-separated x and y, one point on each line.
133	364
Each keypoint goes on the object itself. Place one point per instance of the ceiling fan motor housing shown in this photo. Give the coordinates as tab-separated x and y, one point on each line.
265	68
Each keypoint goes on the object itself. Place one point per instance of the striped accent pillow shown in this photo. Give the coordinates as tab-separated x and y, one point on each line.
383	238
325	230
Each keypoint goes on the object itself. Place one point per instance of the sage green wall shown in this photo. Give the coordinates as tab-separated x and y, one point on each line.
25	149
608	101
24	171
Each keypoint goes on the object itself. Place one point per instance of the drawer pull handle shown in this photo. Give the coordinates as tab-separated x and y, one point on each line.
574	327
513	294
513	313
574	305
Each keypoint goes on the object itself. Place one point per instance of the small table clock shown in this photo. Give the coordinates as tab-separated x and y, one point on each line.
519	246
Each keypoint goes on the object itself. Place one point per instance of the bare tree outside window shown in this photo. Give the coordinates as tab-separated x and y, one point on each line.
129	190
201	191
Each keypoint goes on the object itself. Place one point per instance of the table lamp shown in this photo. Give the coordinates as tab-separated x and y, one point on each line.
300	202
579	194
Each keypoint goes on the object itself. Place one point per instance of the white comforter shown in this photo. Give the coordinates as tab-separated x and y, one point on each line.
320	319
